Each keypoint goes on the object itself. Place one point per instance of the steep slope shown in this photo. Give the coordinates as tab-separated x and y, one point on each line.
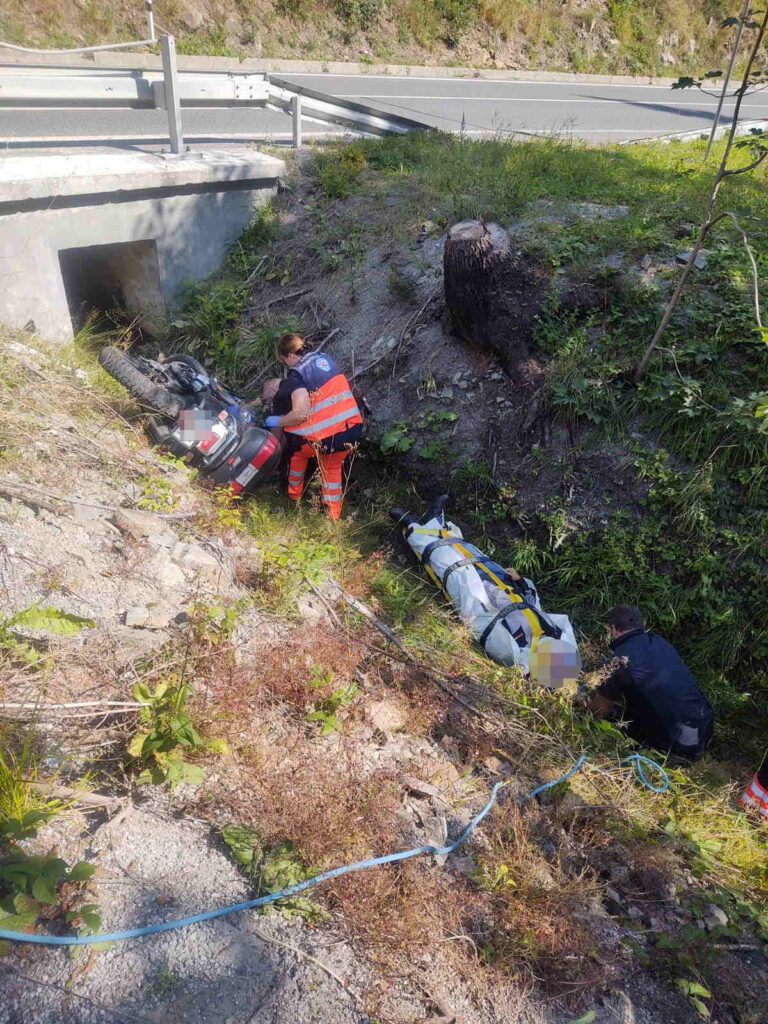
605	36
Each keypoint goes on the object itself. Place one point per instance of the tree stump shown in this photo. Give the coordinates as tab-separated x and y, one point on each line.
492	292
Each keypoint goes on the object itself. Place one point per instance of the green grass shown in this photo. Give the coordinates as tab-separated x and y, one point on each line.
693	558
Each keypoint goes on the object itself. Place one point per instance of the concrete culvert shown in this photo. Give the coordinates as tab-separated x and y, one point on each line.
122	275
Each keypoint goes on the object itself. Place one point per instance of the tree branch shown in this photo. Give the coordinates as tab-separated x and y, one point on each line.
709	220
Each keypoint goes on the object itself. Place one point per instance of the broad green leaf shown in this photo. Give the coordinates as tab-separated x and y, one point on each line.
135	747
51	619
53	867
81	871
44	889
18	922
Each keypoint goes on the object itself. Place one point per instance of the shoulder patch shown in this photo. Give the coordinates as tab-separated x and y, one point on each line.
323	364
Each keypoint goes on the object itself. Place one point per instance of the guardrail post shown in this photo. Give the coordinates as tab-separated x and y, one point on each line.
296	112
171	86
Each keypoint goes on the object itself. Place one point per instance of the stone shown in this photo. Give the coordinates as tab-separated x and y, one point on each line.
150	616
310	609
132	644
163	540
619	873
85	515
385	716
192	18
701	259
199	565
419	787
132	492
494	765
715	917
138	524
635	913
463	864
614	904
646	262
165	572
445	775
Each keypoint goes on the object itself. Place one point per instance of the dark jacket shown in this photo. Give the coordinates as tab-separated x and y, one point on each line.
664	705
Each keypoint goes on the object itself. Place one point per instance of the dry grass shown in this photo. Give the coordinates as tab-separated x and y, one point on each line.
604	35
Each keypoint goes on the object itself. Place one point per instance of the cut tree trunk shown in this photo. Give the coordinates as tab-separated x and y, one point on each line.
493	292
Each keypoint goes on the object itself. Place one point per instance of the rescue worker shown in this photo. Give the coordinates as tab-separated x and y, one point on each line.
755	796
324	421
662	703
499	606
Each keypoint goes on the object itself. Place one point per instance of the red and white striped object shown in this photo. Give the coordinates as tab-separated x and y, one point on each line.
252	468
755	797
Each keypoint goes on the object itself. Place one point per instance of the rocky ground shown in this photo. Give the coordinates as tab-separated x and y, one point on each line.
77	538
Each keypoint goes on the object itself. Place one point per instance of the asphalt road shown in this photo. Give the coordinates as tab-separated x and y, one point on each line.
595	112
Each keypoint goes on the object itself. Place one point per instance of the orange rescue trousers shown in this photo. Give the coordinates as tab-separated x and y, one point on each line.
330	466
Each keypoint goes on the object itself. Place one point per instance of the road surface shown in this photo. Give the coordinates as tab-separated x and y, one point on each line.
477	106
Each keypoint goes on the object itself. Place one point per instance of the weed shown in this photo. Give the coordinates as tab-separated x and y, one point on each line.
396	439
338	169
157	494
326	710
52	620
402	287
167	733
163	982
212	622
271	869
438	451
30	884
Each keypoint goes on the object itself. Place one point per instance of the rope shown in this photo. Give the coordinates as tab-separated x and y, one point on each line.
390	858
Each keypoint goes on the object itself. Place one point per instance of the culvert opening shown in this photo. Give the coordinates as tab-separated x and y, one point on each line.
117	284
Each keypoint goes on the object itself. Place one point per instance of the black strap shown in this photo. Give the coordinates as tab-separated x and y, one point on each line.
517	606
458	565
443	542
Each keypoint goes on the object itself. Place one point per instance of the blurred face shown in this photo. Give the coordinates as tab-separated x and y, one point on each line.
269	388
553	663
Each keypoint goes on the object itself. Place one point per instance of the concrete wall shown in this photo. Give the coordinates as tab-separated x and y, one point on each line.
192	232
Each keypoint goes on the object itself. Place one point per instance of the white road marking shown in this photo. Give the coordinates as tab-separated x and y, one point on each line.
464	81
522	99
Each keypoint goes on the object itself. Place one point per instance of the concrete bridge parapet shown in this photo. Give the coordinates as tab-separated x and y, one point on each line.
136	226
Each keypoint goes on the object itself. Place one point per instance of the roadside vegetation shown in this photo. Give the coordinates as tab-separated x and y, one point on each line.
682	876
602	36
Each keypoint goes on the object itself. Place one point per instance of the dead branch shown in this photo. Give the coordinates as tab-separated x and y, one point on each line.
726	81
9	490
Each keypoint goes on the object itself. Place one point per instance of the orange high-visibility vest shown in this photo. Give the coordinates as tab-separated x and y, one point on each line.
333	410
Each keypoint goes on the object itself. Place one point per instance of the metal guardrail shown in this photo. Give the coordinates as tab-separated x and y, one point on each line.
173	90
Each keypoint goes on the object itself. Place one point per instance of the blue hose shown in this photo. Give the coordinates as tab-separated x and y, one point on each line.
639	760
390	858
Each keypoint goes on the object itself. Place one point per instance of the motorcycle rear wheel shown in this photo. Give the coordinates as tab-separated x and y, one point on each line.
124	369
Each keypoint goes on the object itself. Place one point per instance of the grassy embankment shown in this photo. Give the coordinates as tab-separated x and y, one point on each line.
604	36
693	561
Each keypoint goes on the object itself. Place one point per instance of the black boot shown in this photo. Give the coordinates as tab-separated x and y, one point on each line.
401	517
436	510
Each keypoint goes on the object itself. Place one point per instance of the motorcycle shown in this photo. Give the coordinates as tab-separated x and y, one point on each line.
197	418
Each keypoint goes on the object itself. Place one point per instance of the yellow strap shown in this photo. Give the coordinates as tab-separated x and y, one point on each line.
531	617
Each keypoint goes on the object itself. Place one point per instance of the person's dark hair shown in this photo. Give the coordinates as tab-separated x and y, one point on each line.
624	617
